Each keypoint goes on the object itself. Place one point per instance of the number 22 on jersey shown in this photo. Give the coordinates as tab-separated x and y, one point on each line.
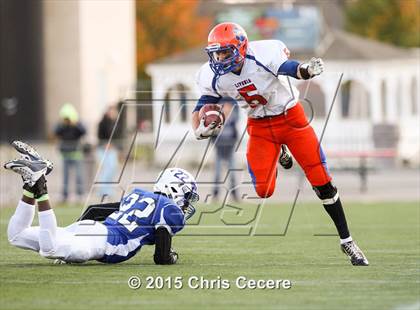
122	215
252	100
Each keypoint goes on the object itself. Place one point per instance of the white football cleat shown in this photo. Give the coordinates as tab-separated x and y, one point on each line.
59	261
30	170
29	153
354	253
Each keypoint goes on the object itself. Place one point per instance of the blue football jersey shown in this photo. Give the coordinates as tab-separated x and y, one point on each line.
134	224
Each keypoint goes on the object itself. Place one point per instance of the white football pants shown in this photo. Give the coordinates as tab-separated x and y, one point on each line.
78	242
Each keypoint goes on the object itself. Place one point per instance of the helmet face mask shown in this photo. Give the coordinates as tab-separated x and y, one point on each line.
232	62
227	48
190	197
180	186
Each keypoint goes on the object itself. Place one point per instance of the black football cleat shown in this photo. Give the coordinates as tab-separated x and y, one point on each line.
285	159
29	153
357	258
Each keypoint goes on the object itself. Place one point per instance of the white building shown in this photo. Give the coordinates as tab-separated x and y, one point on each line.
89	57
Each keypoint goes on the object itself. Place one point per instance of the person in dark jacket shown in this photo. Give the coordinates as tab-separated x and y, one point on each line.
225	143
107	152
70	131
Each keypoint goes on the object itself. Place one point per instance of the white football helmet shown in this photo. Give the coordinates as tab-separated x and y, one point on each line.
180	186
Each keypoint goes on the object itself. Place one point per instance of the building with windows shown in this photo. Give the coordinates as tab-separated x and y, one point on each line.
82	52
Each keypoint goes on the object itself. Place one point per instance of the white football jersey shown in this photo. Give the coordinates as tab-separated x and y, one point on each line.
258	88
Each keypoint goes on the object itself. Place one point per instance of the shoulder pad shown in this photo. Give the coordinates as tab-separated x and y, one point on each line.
270	53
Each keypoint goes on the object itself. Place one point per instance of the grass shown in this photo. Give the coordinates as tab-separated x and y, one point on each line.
321	276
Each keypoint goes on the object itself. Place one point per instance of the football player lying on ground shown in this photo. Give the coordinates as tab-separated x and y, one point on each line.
142	217
254	72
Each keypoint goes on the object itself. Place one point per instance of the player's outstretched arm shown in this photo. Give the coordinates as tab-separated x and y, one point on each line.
163	252
302	71
308	70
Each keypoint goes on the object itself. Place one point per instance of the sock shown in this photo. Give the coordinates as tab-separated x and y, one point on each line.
342	241
336	212
21	219
47	231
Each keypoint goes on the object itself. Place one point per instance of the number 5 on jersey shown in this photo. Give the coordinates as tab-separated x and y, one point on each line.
252	100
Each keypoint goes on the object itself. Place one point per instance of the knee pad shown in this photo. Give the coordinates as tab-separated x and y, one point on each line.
328	193
46	242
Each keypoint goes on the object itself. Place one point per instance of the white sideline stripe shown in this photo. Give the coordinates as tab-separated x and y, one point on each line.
304	283
330	201
415	306
123	249
65	282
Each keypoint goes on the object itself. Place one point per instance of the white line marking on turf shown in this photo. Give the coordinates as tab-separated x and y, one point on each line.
415	306
64	282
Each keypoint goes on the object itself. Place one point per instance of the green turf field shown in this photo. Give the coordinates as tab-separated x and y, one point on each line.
321	276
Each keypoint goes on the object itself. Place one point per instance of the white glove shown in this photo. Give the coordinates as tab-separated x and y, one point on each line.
203	132
315	66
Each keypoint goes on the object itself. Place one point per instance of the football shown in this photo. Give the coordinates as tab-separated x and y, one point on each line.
212	113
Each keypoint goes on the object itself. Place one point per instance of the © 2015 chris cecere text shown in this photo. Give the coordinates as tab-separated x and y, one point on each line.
200	282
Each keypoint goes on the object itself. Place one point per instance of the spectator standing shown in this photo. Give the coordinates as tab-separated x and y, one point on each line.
225	143
69	132
107	152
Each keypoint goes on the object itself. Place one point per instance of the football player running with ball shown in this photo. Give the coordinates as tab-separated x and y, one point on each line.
141	218
255	73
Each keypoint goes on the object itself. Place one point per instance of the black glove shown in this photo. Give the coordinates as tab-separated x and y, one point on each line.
39	189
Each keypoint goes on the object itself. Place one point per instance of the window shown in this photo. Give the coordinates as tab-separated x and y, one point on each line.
383	100
182	95
345	99
414	96
355	101
176	104
166	108
399	99
313	93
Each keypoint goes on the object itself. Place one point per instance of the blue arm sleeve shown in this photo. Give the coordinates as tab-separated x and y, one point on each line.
172	218
289	67
205	99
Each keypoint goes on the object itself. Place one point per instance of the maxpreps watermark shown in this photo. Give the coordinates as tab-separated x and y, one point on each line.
199	282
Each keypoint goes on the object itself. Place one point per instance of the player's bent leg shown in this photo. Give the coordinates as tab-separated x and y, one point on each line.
78	242
20	220
47	232
304	145
310	156
262	156
332	204
81	242
27	239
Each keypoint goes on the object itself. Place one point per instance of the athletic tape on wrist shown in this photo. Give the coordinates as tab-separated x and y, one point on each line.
43	198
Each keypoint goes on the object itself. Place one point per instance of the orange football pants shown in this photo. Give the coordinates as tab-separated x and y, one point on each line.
266	136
